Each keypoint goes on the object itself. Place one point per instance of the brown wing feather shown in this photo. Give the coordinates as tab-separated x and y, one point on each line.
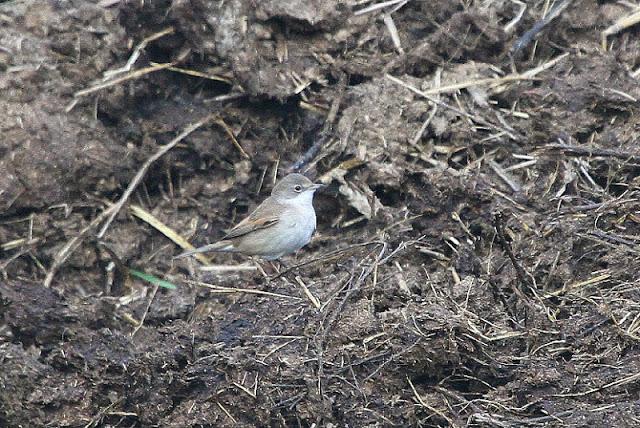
266	215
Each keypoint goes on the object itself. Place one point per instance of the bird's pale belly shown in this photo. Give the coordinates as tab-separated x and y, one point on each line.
285	237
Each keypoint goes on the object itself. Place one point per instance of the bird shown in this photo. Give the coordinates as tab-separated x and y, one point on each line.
282	224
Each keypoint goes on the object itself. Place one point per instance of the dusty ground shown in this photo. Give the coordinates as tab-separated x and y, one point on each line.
476	261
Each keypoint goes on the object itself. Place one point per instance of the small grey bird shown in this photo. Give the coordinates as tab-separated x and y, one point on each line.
280	225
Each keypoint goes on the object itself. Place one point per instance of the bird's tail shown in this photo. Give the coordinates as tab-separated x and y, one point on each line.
220	246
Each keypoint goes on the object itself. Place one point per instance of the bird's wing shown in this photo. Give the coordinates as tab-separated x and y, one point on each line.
263	217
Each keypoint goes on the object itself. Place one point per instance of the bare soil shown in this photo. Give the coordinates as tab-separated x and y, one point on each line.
477	254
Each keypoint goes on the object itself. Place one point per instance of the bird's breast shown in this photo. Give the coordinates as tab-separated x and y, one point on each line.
301	224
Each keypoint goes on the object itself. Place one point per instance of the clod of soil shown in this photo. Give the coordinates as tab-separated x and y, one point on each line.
476	257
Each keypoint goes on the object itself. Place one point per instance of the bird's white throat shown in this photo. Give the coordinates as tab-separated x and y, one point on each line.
304	199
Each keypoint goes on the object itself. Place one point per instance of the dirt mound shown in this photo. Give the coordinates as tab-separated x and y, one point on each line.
476	257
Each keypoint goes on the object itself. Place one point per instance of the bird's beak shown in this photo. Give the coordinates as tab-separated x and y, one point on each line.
317	186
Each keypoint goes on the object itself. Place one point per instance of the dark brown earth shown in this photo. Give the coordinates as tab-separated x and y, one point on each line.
477	255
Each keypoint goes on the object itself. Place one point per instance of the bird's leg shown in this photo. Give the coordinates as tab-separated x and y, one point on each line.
260	269
275	268
270	269
281	267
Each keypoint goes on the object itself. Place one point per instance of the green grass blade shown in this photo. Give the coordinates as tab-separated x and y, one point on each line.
152	279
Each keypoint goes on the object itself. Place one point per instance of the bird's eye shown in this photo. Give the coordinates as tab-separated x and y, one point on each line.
298	188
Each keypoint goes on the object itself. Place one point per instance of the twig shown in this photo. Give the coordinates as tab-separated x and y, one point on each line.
393	32
491	420
614	238
226	412
418	135
227	268
456	396
377	6
200	74
102	412
520	272
515	187
244	389
132	75
310	153
542	67
314	300
475	118
621	24
226	97
490	81
73	244
531	34
136	53
230	290
436	81
166	231
431	408
512	24
588	151
143	170
391	359
325	134
277	348
326	257
146	311
233	138
332	317
622	381
108	3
